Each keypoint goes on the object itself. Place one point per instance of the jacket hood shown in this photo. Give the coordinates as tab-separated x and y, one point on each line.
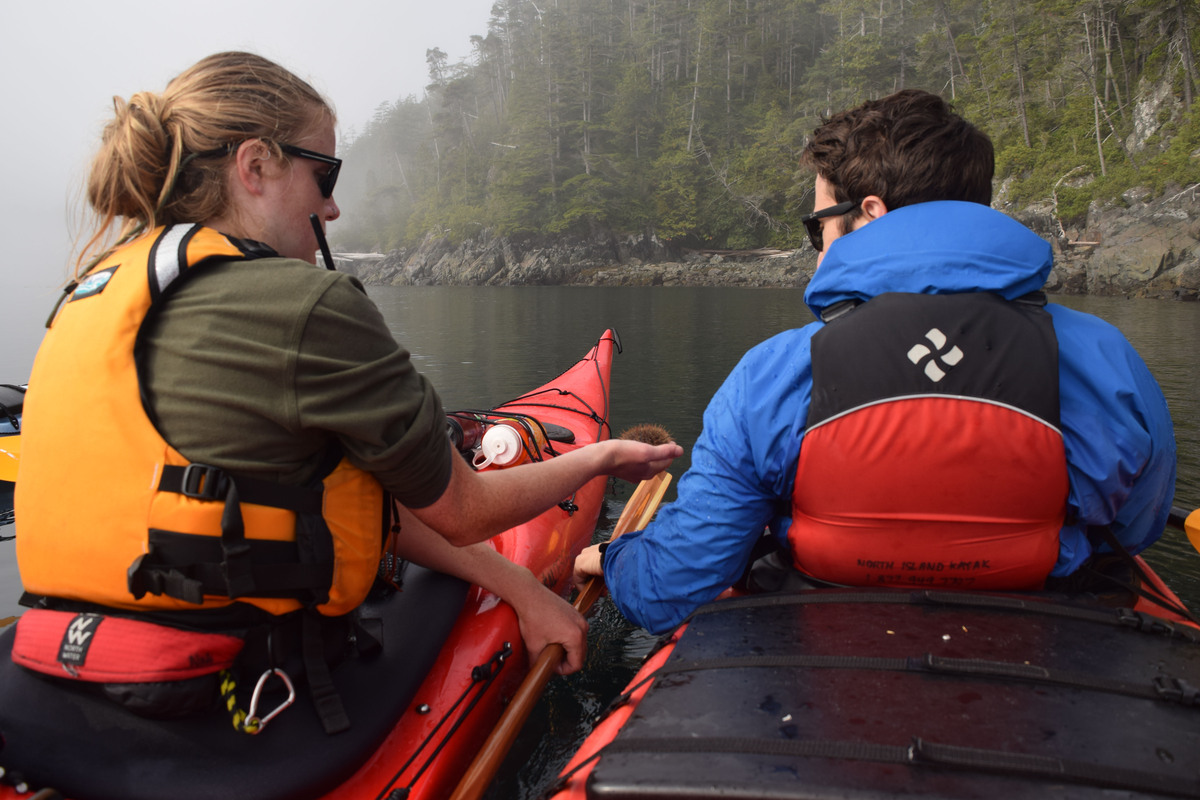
944	247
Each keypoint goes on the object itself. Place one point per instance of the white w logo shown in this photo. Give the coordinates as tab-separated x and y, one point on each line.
78	632
950	357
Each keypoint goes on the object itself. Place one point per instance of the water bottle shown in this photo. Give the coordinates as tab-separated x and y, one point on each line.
509	443
465	431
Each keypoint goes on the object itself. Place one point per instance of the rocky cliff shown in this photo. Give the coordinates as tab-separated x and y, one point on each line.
602	260
1136	247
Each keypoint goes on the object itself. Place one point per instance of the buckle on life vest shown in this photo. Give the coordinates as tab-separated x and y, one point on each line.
203	482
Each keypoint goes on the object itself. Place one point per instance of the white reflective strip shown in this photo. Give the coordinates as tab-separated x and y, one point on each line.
166	255
1021	411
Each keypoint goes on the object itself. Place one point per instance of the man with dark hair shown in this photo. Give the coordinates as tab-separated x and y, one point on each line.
940	426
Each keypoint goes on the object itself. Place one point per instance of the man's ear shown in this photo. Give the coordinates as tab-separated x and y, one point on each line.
252	159
873	206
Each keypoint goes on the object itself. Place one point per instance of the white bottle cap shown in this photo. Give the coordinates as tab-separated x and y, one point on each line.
501	446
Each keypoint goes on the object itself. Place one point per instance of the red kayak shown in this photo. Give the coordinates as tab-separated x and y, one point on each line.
865	693
451	656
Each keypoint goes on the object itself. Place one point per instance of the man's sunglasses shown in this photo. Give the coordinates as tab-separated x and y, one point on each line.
812	222
325	182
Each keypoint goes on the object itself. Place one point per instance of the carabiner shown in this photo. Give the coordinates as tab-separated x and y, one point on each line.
253	723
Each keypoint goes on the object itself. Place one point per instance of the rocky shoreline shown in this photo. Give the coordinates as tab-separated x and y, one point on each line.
1137	247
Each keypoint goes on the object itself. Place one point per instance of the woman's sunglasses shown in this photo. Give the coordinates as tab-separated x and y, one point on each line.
812	222
325	182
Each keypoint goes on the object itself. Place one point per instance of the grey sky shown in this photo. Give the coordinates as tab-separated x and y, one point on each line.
64	60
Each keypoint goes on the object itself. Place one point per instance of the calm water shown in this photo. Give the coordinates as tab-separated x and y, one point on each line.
481	346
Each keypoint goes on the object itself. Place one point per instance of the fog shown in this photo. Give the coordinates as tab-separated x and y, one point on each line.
64	61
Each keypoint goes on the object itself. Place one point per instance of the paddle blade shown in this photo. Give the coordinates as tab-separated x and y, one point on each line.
10	457
642	504
659	488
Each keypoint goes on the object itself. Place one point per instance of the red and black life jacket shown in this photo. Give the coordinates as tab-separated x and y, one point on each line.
933	454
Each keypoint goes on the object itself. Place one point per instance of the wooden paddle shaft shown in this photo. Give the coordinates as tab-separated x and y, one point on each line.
637	514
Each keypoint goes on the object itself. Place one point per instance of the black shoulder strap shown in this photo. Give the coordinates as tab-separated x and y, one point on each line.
189	566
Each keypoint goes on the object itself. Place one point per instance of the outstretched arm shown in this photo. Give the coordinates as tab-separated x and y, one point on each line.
478	505
545	617
742	468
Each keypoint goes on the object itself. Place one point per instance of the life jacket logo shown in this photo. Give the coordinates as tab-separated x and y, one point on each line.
80	634
949	358
93	284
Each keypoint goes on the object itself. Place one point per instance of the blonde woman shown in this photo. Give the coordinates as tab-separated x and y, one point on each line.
212	354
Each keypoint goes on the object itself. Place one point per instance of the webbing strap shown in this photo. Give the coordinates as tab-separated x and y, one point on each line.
188	566
326	700
211	483
922	753
1164	687
236	564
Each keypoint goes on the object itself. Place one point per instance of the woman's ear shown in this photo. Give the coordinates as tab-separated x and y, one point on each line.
252	160
873	206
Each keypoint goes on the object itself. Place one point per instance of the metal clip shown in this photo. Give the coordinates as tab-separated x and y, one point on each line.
253	723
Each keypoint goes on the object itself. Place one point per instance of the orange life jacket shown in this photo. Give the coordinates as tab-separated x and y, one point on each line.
932	454
112	514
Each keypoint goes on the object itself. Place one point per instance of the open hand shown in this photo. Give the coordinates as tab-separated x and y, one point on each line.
635	461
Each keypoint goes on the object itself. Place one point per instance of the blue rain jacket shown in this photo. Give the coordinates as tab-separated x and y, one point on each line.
1117	431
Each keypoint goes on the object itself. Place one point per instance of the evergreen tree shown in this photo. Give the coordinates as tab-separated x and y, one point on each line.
685	118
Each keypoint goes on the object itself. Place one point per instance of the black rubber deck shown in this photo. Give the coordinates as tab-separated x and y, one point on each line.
867	694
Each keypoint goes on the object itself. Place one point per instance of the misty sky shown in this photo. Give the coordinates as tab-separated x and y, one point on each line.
63	61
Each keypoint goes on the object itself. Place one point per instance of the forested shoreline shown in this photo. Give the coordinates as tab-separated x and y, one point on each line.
1147	248
683	120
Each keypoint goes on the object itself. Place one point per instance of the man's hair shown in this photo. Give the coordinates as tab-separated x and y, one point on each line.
909	147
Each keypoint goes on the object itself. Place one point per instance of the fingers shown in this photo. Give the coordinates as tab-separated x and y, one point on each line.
576	654
587	566
552	620
573	638
637	462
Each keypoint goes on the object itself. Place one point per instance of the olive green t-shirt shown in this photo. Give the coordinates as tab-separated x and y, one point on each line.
257	366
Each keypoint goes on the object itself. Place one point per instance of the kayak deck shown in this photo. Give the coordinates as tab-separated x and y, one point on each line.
858	693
